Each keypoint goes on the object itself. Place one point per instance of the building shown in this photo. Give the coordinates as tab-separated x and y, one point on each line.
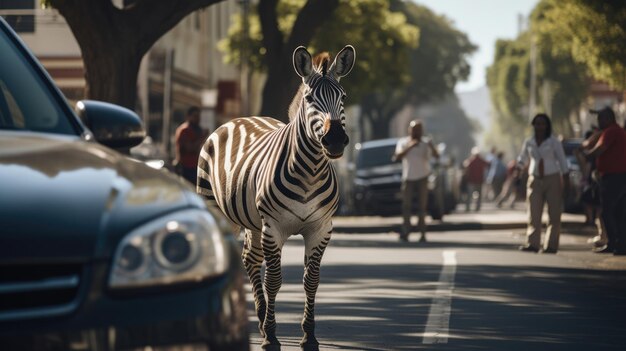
182	69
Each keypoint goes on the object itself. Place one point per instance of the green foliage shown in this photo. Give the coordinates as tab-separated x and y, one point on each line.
440	60
436	65
405	52
509	78
592	32
382	39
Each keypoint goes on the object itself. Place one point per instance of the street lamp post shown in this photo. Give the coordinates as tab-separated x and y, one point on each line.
245	58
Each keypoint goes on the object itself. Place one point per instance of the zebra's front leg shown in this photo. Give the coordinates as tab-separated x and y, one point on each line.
252	256
315	244
272	283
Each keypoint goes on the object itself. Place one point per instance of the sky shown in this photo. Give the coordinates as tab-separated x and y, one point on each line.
484	21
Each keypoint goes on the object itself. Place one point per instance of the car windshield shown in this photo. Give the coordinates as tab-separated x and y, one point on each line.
26	103
376	156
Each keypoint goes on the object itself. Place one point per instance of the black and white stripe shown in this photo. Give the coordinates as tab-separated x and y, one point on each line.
275	180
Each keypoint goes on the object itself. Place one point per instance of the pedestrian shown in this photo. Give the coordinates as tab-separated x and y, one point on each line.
610	154
189	140
590	196
415	152
510	185
548	176
497	174
475	170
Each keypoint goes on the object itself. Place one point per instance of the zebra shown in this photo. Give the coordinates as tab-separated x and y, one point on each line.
276	180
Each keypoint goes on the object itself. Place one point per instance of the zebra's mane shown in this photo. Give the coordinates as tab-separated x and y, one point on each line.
321	62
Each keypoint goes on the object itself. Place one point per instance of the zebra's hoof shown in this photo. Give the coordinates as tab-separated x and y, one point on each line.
270	345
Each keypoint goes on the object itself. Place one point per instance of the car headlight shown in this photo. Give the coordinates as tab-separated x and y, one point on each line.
184	246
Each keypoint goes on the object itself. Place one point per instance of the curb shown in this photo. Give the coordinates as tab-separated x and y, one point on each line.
441	227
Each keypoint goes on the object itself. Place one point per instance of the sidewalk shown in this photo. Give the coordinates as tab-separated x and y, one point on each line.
489	218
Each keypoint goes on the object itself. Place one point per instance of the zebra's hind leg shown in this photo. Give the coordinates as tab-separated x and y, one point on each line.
272	282
252	260
315	244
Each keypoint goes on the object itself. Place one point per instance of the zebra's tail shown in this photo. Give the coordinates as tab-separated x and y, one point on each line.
203	183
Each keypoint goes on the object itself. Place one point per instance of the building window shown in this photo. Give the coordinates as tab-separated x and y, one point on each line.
20	21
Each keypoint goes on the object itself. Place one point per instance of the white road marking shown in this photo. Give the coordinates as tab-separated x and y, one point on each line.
439	316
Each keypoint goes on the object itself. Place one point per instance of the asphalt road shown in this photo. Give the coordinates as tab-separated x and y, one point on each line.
460	291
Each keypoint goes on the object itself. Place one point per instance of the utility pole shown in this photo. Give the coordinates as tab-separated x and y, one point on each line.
533	76
245	59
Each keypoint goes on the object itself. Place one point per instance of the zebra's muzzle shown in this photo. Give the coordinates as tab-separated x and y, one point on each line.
335	139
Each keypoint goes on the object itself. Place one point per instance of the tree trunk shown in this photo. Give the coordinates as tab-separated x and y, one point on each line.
282	82
113	77
113	41
279	90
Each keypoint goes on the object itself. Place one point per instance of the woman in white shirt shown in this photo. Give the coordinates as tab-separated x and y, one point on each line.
548	173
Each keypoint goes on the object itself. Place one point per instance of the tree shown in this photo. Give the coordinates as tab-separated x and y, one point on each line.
435	66
564	79
380	37
113	40
592	32
405	54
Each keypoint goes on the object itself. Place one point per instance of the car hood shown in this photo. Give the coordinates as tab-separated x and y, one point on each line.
65	199
391	173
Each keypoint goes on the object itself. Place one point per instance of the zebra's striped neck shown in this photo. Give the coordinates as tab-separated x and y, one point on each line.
306	157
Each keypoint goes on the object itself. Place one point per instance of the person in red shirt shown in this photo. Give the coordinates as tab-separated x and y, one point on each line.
610	154
189	140
475	168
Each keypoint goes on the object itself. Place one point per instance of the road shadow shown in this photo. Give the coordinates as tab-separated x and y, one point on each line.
385	307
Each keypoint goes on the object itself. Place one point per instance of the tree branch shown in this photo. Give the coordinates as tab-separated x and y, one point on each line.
152	19
310	19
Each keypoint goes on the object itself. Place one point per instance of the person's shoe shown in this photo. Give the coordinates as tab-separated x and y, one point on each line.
548	251
528	248
605	249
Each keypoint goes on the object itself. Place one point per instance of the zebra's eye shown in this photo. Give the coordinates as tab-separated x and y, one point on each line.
343	97
308	99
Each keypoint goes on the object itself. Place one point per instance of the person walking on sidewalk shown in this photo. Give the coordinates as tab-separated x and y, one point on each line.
475	170
415	152
509	192
496	175
189	140
548	176
610	153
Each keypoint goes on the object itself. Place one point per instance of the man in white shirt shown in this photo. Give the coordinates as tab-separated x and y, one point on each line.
415	152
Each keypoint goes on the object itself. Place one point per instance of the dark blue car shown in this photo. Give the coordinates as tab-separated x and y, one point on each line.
97	251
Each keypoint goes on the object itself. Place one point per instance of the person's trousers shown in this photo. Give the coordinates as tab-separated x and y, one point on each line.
613	198
471	188
496	186
190	173
541	190
410	188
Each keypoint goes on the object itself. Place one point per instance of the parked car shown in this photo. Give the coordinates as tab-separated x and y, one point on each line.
97	251
378	181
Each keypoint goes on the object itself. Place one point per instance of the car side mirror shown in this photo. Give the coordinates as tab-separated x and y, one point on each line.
113	126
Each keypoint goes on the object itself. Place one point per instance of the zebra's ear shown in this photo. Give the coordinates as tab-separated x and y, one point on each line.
344	61
302	62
